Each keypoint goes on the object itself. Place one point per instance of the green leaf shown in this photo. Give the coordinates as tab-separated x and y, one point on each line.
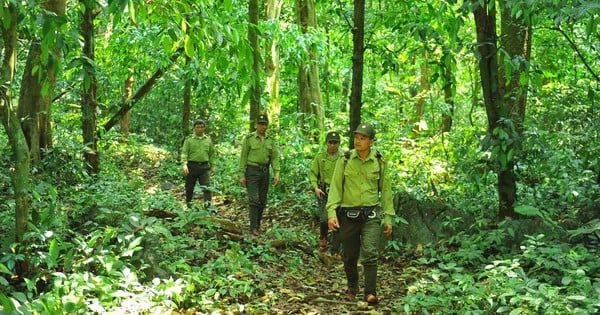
189	46
527	210
576	297
54	250
8	306
4	269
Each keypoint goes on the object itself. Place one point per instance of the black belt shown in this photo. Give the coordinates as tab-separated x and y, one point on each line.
199	163
261	167
365	209
359	212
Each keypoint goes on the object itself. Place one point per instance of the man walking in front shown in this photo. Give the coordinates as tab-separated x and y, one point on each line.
259	152
360	198
197	157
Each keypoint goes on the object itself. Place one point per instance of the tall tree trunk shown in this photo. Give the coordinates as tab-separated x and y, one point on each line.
255	89
326	76
127	93
88	94
358	50
272	65
449	89
38	83
424	88
496	110
186	109
309	90
14	131
516	41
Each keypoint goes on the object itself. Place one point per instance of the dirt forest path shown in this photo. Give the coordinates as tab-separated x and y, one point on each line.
320	286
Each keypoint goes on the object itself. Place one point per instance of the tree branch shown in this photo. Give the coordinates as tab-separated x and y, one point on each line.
126	105
581	56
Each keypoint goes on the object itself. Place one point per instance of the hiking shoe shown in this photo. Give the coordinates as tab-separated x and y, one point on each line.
351	294
256	232
323	243
371	299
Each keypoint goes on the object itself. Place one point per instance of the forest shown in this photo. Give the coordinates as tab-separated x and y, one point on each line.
486	112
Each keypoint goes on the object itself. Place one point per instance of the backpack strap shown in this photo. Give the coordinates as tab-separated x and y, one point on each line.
381	162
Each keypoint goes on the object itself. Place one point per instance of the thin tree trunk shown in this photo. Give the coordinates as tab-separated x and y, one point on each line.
423	92
126	119
448	80
186	105
127	105
358	51
14	131
255	90
88	94
272	65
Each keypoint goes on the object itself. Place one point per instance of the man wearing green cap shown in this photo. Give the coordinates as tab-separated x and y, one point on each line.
197	157
360	199
259	152
321	171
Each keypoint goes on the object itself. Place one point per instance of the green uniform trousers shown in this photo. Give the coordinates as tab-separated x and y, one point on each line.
198	172
324	227
257	187
360	239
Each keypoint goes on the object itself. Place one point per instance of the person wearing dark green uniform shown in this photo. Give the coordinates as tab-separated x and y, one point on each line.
321	171
360	199
197	157
259	152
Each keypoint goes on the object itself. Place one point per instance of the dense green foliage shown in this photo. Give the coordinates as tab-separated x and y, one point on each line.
123	242
100	245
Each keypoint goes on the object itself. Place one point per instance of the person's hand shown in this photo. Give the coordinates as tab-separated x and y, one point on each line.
185	169
243	181
319	192
333	224
275	181
387	229
212	172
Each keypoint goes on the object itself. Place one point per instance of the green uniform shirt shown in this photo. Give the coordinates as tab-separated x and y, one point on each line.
322	168
257	151
360	180
198	149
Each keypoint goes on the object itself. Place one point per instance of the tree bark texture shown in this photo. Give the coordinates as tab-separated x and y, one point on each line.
37	86
485	21
358	50
14	131
516	41
449	91
272	64
89	103
422	94
126	119
255	89
309	89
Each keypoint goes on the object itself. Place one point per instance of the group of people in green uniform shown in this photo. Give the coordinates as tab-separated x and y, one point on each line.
353	192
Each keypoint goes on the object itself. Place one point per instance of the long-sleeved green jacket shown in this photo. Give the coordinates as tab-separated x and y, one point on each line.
355	183
198	149
322	168
257	151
